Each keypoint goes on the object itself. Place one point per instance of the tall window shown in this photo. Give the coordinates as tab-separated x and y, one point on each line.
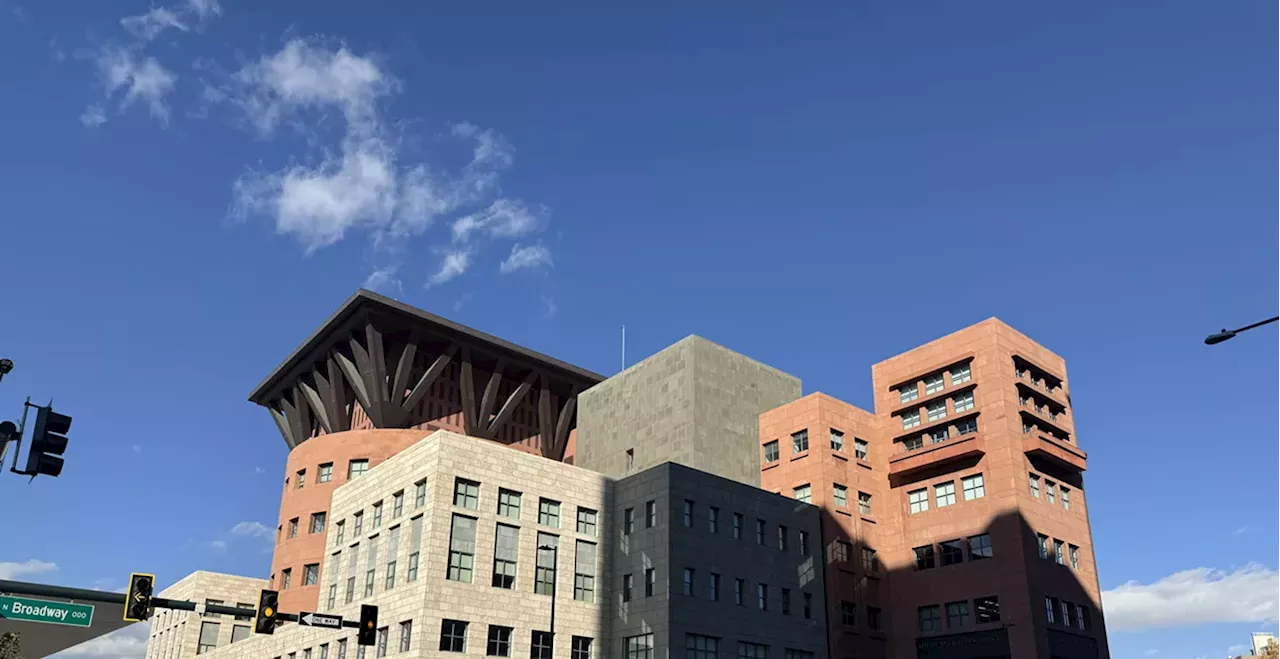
870	562
317	522
848	613
586	521
420	493
540	645
628	521
840	495
371	566
466	494
626	587
1059	552
980	547
580	648
771	451
803	493
498	643
738	586
760	532
638	647
286	578
910	419
208	640
584	572
353	561
688	581
650	514
762	596
549	513
1066	497
860	449
873	617
804	543
415	543
713	588
310	574
1051	492
837	440
383	633
544	578
963	402
713	519
933	384
908	392
786	601
864	503
800	441
377	515
397	504
300	479
1074	551
697	646
406	635
945	493
462	548
357	523
356	468
505	556
453	636
509	503
1050	609
973	487
930	618
752	650
737	526
393	550
1034	481
960	374
782	537
688	513
293	528
957	614
650	580
342	530
1043	542
841	551
924	557
325	473
918	500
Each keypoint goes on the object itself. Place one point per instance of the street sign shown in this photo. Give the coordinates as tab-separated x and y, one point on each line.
54	613
309	619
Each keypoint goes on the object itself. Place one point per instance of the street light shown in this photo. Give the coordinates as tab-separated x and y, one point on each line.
555	571
1225	334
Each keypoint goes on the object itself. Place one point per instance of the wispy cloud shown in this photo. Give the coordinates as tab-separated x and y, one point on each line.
93	116
453	264
132	77
524	257
252	530
127	643
11	570
1195	597
180	17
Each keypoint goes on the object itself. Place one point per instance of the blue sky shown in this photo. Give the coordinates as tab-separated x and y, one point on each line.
190	188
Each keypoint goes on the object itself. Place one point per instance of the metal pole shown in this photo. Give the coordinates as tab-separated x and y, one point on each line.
555	560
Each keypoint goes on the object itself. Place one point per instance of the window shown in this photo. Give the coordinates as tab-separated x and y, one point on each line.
540	645
393	550
544	574
980	547
762	596
549	513
580	648
782	538
420	494
1074	552
371	567
383	633
713	519
213	602
584	572
506	552
807	599
930	618
286	578
293	528
1068	614
910	419
967	426
241	632
1082	617
586	521
957	614
737	526
638	647
804	543
841	551
1058	553
771	452
908	392
848	613
310	574
242	605
803	493
1051	492
342	649
973	487
631	459
453	636
356	469
869	561
713	588
415	542
800	441
786	601
952	552
325	473
938	435
509	503
301	479
945	493
342	530
962	402
1034	481
933	384
626	587
1043	542
697	646
397	504
738	586
466	494
987	609
873	617
918	500
924	557
688	581
333	592
688	513
760	532
352	560
317	522
406	635
860	449
462	549
1050	609
208	640
864	503
837	440
1066	497
936	410
650	580
752	650
357	523
960	374
650	514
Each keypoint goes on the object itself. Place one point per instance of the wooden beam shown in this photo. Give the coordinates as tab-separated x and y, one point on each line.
283	424
377	376
562	426
428	378
490	397
468	386
400	383
513	401
546	424
293	416
353	378
332	388
317	406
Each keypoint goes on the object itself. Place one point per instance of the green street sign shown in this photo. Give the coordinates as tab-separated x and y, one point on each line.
54	613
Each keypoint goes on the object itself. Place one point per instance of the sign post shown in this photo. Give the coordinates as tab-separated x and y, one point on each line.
53	613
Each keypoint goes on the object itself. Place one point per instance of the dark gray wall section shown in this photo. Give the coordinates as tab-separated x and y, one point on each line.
695	403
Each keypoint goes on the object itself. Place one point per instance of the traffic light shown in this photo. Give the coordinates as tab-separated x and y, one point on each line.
137	602
368	631
48	443
264	622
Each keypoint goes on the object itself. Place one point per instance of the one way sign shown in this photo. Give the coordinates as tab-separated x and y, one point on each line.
309	619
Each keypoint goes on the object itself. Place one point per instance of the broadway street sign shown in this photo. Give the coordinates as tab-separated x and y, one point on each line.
309	619
54	613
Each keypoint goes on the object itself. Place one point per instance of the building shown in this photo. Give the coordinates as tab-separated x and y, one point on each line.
1262	645
470	487
186	634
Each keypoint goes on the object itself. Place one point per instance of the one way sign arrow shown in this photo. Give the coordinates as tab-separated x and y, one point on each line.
311	619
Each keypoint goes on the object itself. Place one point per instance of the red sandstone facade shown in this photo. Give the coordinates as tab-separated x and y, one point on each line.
971	451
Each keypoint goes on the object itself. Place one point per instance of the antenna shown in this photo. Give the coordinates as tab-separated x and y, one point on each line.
624	347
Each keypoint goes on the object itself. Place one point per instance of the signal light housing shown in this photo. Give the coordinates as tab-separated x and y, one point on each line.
137	601
264	621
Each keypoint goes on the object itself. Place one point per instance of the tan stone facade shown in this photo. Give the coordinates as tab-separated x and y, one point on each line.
179	633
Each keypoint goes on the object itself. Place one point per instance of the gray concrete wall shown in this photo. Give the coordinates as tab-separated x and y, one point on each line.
631	553
695	403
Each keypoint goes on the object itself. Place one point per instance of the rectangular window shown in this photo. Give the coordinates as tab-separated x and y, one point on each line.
208	640
737	526
908	392
840	495
453	636
1051	492
383	633
924	557
973	487
1068	614
837	440
406	635
870	562
760	532
860	449
638	647
910	419
688	513
509	503
626	587
841	551
1082	617
1043	542
462	549
310	574
353	560
957	615
371	566
358	524
544	577
628	521
945	493
580	648
864	503
713	588
762	596
342	649
807	600
786	601
918	500
987	609
938	435
962	402
804	543
771	451
415	542
420	494
782	538
586	521
752	651
293	528
286	578
241	632
356	469
466	494
688	581
930	618
936	410
317	522
506	551
960	374
848	613
933	384
540	645
650	514
697	646
549	513
1066	497
397	504
873	617
800	441
803	493
713	519
1050	609
584	572
1058	553
738	586
1074	552
952	551
325	474
1034	481
980	547
301	478
342	530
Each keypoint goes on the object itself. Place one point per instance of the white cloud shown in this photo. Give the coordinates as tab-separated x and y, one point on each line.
127	643
383	280
504	218
525	256
11	571
252	530
218	546
1195	597
549	307
150	25
204	8
454	264
141	79
93	116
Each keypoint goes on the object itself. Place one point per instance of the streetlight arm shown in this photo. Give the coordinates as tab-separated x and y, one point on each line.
1226	334
1257	324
